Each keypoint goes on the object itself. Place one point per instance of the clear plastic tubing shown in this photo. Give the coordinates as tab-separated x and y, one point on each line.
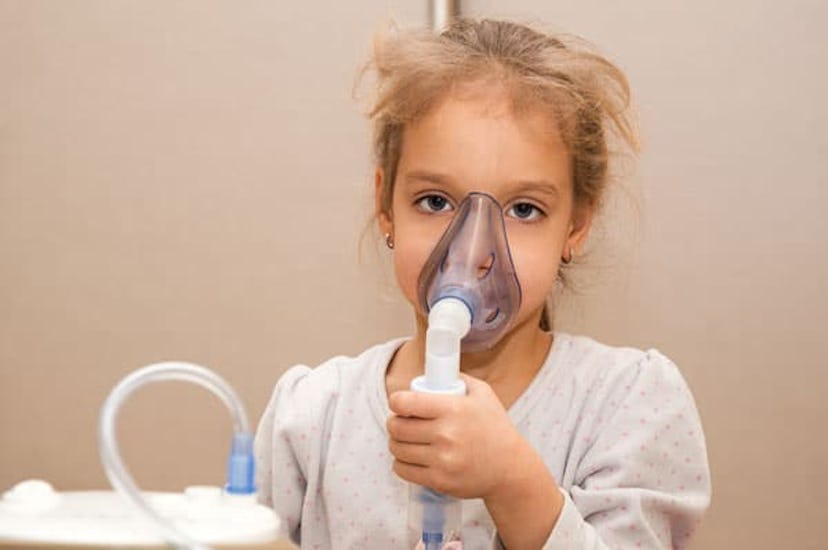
240	469
434	515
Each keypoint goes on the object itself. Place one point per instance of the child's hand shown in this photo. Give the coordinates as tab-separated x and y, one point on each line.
463	446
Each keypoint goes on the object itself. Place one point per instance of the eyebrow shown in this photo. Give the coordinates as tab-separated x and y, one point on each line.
545	187
432	177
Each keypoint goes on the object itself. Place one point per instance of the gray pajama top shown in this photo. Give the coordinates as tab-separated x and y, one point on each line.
617	428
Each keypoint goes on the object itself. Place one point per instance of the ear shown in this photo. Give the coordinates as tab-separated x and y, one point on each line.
386	225
579	228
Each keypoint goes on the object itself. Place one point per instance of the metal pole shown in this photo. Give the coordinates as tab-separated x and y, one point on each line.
442	12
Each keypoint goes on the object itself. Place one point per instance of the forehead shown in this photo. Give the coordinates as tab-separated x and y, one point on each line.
481	136
494	97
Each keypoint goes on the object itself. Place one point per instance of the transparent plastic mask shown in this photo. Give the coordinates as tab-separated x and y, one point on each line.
472	262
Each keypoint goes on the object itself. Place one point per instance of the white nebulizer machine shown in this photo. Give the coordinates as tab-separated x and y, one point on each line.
34	515
470	290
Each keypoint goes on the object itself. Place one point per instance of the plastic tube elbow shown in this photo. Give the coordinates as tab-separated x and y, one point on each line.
448	322
451	315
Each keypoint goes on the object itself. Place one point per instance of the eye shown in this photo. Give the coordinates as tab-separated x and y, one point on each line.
433	203
524	211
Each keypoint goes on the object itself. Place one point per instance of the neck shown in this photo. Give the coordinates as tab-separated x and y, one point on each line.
517	356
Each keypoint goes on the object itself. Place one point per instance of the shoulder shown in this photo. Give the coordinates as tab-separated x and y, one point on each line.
625	387
593	363
307	388
634	395
305	399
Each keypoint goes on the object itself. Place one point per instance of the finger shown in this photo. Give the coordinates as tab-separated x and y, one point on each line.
474	385
479	389
415	454
410	430
421	405
411	472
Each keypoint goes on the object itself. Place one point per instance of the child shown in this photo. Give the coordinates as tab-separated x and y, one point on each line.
560	442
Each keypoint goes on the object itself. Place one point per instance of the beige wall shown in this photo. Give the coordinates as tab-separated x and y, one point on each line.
190	179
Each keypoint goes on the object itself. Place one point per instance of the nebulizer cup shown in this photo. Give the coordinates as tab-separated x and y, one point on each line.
470	290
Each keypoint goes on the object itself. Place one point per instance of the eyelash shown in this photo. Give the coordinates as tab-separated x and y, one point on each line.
534	215
423	204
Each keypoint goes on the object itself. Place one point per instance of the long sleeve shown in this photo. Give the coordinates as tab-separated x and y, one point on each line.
632	464
322	456
281	479
643	479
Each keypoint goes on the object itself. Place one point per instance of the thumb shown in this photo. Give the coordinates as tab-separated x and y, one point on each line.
474	385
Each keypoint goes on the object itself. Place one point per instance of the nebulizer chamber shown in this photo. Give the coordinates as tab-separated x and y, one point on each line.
32	513
470	290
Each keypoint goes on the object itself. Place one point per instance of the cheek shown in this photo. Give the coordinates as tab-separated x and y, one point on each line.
410	254
537	272
407	270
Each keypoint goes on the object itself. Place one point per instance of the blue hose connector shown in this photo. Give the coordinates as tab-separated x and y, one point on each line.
241	465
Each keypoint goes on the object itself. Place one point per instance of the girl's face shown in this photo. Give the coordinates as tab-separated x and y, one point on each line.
476	143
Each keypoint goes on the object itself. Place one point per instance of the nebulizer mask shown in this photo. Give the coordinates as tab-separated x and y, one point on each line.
472	295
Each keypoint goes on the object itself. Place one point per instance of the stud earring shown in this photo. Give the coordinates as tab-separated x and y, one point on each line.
389	241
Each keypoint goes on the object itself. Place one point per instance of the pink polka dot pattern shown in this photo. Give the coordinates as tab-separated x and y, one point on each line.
617	427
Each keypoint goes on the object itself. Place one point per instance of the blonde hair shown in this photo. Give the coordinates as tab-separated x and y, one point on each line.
588	96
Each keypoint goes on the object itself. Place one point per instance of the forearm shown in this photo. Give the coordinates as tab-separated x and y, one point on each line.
526	508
